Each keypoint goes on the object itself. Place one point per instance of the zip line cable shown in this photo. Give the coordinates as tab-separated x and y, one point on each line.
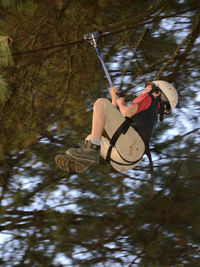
102	34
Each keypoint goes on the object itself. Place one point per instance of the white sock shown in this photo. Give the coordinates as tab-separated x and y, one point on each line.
96	141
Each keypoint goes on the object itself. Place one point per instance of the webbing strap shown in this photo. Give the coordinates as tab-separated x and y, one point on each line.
125	164
123	128
148	153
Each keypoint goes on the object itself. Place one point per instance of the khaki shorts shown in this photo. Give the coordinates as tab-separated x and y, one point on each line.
129	145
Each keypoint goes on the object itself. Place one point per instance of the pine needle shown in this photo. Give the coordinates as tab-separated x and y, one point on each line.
18	4
3	90
5	53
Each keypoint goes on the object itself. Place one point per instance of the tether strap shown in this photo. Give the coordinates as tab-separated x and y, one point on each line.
148	153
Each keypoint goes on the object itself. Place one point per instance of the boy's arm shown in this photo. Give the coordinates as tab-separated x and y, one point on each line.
127	111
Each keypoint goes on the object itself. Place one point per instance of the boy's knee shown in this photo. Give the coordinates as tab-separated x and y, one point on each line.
101	101
102	104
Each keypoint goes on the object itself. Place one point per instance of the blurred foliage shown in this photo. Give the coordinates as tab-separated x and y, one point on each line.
3	90
6	58
16	4
99	218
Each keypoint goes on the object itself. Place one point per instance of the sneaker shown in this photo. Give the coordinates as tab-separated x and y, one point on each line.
89	153
69	164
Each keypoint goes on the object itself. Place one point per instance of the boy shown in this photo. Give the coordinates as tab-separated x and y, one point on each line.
129	128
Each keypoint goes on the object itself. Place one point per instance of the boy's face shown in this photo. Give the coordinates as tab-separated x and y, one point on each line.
147	89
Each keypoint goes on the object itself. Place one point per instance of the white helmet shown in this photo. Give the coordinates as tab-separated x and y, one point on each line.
169	94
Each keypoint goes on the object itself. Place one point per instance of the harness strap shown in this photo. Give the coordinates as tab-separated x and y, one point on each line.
125	164
148	153
123	128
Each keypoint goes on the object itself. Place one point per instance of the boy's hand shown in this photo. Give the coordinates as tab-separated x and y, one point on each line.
113	92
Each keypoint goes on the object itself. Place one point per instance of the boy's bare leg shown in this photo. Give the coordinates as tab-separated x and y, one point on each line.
92	150
98	120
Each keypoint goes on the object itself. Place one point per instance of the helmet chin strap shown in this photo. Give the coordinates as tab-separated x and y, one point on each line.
162	110
162	103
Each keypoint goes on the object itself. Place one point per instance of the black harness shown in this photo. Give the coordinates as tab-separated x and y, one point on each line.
123	128
144	118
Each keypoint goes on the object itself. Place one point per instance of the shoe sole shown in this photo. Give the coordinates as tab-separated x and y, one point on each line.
81	159
69	164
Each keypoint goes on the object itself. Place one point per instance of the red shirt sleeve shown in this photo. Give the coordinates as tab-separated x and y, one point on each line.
143	101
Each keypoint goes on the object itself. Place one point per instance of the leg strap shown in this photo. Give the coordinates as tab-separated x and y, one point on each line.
123	128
